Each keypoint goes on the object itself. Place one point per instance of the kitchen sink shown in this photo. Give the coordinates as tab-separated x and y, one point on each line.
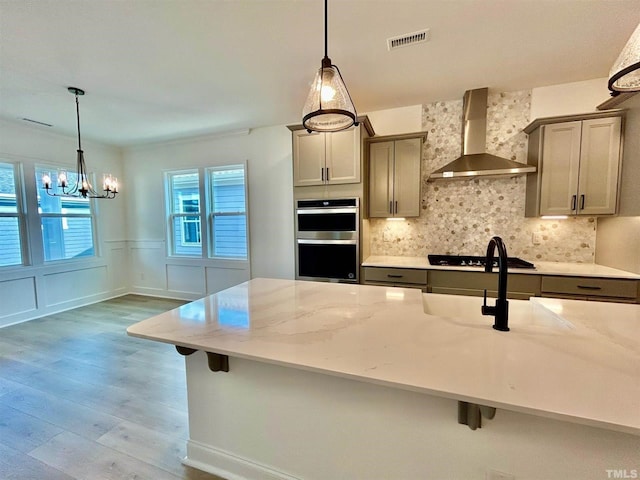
524	315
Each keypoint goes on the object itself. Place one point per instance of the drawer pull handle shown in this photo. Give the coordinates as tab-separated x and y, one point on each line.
589	287
394	276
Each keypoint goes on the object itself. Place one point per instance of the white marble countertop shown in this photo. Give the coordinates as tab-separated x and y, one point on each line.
585	371
542	268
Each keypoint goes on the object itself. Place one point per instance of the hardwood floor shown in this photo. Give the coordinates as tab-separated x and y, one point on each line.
79	399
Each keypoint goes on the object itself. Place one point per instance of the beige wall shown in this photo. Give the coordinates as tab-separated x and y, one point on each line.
618	239
618	243
568	98
267	152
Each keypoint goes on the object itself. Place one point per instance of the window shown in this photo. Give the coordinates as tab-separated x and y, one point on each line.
67	222
11	217
228	212
183	191
224	204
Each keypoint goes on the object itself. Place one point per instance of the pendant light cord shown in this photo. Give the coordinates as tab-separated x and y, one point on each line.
78	117
326	15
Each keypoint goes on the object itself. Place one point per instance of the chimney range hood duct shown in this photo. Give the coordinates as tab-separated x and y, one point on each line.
475	161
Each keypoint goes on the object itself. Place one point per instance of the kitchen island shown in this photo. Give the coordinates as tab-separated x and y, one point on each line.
350	381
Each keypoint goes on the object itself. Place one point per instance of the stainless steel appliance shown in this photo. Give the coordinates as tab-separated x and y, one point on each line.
327	239
474	261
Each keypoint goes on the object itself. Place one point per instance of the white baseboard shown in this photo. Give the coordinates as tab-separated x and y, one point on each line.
228	465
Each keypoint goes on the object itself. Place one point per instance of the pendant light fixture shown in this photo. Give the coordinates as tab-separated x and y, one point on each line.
329	107
625	73
80	186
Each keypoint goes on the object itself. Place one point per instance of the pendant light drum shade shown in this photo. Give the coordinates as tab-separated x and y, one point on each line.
625	73
328	107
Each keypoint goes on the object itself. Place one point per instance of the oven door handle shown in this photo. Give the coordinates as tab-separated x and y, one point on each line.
316	211
326	242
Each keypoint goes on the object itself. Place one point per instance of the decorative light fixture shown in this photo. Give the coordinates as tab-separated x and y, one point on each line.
80	186
625	73
329	107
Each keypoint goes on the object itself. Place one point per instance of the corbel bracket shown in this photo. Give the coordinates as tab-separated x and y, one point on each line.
471	414
217	362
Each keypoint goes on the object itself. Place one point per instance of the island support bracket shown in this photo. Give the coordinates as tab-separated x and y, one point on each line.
471	414
217	362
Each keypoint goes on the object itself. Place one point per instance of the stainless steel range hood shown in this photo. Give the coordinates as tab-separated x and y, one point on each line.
475	161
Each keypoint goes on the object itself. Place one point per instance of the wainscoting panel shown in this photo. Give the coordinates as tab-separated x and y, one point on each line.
78	285
221	278
17	296
148	259
118	264
185	279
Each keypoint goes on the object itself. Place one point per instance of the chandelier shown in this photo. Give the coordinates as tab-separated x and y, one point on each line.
80	186
329	107
625	73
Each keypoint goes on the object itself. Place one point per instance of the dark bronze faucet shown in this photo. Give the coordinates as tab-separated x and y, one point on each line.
501	309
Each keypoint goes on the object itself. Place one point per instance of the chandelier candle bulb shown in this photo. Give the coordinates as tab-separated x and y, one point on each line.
46	181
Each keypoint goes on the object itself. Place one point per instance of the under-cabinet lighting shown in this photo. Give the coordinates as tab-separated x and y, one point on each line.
397	219
554	217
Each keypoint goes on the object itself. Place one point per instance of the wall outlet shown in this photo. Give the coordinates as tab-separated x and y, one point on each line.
386	236
537	238
496	475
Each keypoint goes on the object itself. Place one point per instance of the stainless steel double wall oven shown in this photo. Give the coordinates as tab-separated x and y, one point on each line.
327	239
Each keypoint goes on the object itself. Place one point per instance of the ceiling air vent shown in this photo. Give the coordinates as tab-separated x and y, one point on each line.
408	39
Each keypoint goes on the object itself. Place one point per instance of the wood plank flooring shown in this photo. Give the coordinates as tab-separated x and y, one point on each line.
79	399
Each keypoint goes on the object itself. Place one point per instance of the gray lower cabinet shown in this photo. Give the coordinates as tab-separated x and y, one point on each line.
520	286
588	288
396	277
453	282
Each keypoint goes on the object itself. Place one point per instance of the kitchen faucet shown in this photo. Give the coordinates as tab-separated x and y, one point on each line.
501	309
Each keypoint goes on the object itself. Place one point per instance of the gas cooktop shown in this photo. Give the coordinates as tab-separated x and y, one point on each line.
475	261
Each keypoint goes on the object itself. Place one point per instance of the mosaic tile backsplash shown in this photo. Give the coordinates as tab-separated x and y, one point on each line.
460	216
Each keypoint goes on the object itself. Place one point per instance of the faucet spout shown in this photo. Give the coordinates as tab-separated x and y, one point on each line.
501	309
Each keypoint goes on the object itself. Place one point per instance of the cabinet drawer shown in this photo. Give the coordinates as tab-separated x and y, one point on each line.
448	281
395	275
590	287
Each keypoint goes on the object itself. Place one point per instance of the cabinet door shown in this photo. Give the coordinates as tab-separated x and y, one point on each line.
308	158
560	167
343	156
380	179
599	166
407	179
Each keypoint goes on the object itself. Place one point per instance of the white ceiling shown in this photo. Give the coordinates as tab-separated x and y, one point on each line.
164	69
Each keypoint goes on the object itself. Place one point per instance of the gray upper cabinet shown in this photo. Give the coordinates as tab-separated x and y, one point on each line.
394	175
326	158
578	165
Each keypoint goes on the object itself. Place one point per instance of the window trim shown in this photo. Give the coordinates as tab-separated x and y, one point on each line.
20	214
